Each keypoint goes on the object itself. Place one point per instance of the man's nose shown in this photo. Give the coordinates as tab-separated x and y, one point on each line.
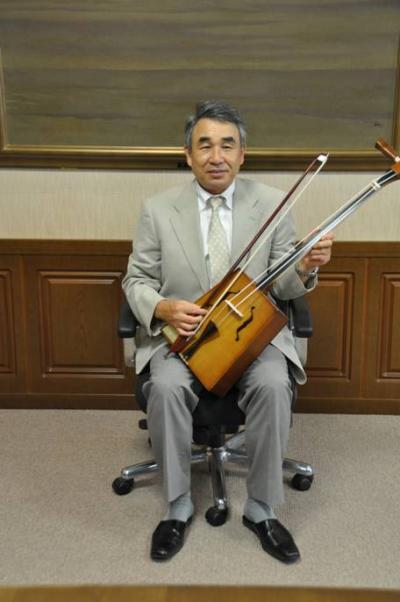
216	154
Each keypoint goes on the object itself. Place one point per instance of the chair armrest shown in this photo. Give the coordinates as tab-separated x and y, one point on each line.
127	322
301	319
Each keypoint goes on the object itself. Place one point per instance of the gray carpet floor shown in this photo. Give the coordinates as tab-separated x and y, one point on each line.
61	523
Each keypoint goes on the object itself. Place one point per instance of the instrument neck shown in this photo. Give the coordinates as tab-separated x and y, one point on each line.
306	244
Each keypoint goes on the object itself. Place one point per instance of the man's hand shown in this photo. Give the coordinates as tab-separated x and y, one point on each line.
182	315
319	255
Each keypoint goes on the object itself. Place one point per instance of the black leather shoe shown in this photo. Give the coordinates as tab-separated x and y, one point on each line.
168	538
275	539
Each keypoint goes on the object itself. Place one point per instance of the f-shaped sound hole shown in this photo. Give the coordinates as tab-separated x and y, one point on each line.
246	322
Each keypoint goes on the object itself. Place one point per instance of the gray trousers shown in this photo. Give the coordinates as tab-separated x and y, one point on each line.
265	396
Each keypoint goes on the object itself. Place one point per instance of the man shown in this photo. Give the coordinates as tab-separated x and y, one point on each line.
185	243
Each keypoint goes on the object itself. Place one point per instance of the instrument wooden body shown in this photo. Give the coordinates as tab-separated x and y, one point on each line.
229	340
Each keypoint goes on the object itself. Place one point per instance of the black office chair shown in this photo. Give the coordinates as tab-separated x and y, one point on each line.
214	419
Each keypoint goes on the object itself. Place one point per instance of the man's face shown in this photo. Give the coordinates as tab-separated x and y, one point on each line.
216	154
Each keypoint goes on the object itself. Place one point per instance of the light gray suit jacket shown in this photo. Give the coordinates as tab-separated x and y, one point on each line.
168	258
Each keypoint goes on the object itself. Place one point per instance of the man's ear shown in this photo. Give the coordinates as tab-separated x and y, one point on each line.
188	156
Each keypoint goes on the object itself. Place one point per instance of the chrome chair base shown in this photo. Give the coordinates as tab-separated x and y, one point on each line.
231	451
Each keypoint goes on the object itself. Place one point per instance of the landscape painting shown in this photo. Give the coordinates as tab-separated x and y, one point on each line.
111	83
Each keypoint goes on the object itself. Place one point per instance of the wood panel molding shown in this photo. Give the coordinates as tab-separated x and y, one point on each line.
336	296
73	310
12	329
7	331
389	348
62	248
84	344
382	366
26	246
334	364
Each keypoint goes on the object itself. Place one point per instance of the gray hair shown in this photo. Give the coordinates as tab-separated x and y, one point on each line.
219	111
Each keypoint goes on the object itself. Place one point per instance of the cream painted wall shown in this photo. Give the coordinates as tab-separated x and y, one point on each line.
58	204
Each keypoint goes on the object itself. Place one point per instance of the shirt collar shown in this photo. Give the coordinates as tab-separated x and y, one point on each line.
203	196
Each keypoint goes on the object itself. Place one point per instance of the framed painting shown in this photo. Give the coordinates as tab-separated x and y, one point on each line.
110	84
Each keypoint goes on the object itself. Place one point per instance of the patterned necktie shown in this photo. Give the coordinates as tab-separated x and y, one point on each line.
218	249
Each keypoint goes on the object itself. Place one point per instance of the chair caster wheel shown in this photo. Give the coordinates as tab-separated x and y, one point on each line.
216	517
123	486
302	482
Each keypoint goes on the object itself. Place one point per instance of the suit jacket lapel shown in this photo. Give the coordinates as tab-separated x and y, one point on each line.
246	218
185	222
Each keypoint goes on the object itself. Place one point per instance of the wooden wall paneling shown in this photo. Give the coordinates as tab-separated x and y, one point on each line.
382	366
73	306
59	306
12	340
334	361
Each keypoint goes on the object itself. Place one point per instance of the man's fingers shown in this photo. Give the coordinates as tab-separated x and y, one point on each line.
185	332
186	323
323	244
184	307
195	310
318	255
189	322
